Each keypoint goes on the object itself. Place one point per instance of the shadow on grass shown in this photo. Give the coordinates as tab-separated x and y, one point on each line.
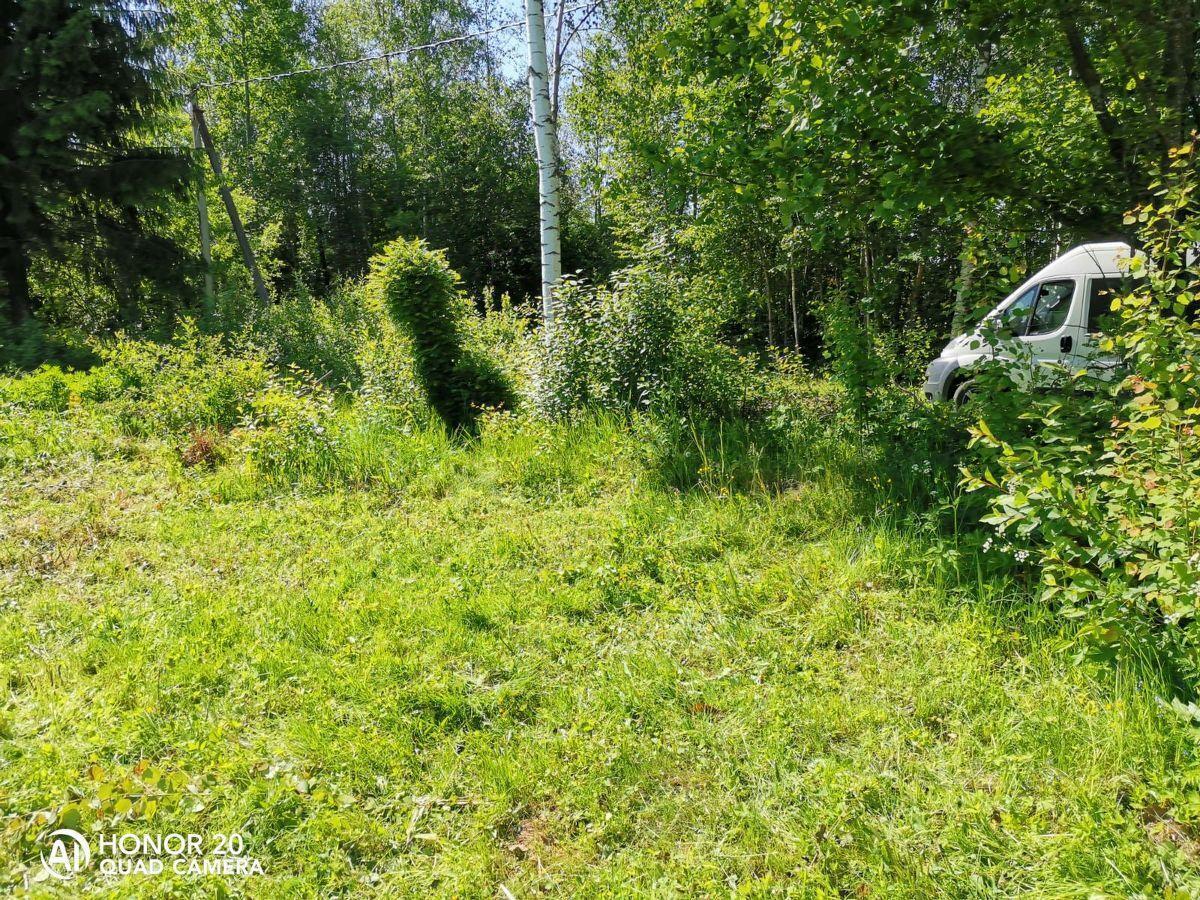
903	472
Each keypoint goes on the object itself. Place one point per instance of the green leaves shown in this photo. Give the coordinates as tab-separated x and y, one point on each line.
1103	489
82	184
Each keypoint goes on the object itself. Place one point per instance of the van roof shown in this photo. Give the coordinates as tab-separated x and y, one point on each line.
1085	259
1089	259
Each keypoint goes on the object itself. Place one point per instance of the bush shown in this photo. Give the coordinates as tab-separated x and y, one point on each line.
507	335
1100	487
33	344
48	388
421	291
202	448
284	432
175	388
319	336
646	340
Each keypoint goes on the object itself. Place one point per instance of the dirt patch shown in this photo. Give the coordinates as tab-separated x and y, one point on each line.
1163	828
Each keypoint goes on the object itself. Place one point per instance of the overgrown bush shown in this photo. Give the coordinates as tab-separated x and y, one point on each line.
420	290
910	448
192	382
285	432
47	388
506	335
1100	487
32	344
870	361
646	340
321	336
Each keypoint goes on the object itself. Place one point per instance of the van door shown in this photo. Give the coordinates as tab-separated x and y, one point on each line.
1051	333
1096	320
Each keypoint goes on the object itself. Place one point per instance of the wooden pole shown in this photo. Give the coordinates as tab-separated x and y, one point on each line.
214	160
795	317
202	209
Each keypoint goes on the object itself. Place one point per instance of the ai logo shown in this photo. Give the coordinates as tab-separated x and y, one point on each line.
69	854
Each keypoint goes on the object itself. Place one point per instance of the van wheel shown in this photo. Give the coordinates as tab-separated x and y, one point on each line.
963	392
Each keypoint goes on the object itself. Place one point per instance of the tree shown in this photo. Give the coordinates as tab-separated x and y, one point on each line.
894	138
79	88
420	290
332	165
546	140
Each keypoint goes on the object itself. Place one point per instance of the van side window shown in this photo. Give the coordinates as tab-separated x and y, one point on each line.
1100	298
1053	305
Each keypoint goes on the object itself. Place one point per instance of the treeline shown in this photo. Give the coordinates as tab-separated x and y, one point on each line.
98	208
854	174
331	165
884	165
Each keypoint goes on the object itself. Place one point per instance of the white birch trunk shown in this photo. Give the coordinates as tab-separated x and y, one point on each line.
546	141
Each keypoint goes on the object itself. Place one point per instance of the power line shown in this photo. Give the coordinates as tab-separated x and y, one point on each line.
341	64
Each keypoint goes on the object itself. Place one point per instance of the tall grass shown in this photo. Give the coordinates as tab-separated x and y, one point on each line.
595	657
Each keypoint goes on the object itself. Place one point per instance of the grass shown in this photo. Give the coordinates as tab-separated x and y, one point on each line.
533	663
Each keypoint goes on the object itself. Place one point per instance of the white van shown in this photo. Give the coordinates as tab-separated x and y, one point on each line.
1050	321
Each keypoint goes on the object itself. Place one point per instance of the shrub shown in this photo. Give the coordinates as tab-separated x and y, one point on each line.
48	388
202	449
420	290
1100	487
506	335
285	432
646	340
175	388
33	344
870	361
320	336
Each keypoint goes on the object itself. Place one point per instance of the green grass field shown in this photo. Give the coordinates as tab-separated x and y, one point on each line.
532	665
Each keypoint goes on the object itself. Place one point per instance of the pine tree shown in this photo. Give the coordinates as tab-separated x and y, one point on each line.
80	84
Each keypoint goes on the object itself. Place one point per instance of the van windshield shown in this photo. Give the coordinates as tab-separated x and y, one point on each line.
1015	316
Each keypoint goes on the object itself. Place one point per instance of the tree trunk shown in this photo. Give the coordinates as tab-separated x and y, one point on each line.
1178	62
795	317
966	262
1089	78
14	269
770	314
966	275
546	144
202	214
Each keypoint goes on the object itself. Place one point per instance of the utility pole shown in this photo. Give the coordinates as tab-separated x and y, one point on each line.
214	160
202	209
546	143
966	266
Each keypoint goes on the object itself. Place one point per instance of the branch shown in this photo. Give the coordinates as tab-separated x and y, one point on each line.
1179	59
562	44
1090	78
582	21
1143	89
559	51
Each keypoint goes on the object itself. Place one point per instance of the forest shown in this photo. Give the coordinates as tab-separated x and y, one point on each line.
601	448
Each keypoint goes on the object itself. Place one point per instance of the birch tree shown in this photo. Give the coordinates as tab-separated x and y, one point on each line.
546	142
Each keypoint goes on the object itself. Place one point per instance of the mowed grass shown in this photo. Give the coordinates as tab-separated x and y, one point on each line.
527	663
